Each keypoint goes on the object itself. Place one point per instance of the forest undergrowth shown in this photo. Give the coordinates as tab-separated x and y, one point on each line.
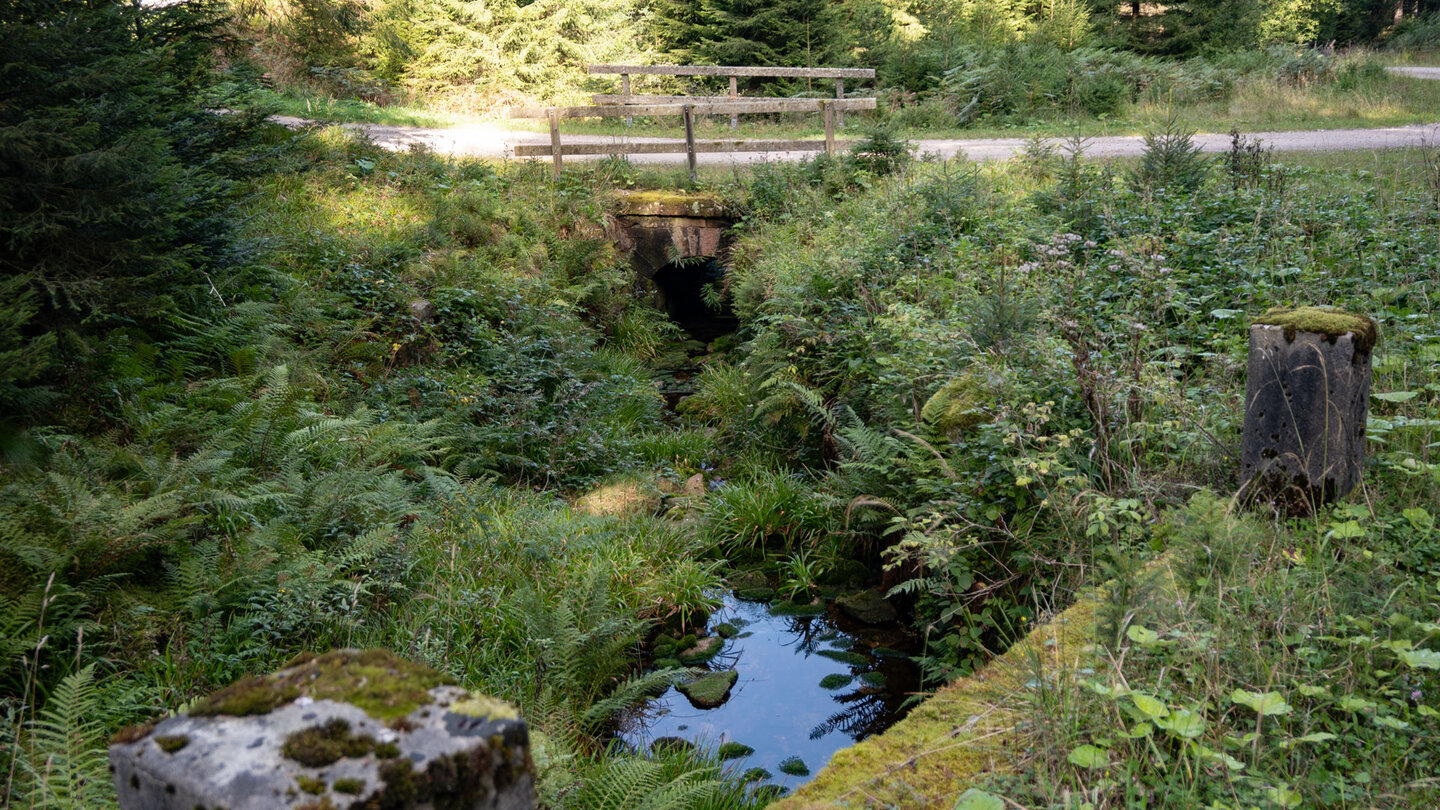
369	422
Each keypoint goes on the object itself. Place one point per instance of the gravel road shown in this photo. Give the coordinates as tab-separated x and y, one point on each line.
492	141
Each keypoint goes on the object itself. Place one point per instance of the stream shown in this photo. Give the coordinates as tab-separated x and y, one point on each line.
778	705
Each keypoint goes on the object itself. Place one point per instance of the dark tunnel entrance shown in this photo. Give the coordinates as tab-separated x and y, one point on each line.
683	289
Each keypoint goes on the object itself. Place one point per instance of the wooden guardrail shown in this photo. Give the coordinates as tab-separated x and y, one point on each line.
732	71
627	105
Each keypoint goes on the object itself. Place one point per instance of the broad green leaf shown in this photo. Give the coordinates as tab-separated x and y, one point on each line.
1183	723
1225	314
1283	796
1211	755
1139	730
1391	722
1396	396
1264	703
1088	756
1312	691
1149	705
1317	737
1141	635
977	799
1349	530
1420	519
1350	703
1421	659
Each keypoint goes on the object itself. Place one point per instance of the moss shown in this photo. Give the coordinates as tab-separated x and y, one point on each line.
755	775
323	803
668	663
851	658
625	497
874	680
709	690
733	750
835	680
726	630
1327	321
485	707
310	784
383	684
657	202
387	750
794	766
349	786
318	746
957	406
131	734
702	651
170	743
887	652
758	594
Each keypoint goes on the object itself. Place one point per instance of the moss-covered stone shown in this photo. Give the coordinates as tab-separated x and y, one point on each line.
835	680
874	680
733	750
668	663
755	775
794	766
854	659
172	743
701	651
957	406
350	787
709	690
666	203
1327	321
318	746
383	684
131	734
726	630
310	784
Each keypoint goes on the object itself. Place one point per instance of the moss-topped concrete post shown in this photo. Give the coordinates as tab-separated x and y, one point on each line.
346	729
1307	396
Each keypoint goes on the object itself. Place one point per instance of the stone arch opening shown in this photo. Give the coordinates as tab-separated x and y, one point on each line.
686	290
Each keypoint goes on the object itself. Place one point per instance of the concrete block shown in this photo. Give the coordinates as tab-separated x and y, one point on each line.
346	729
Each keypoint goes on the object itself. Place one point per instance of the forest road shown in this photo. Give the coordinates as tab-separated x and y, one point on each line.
492	141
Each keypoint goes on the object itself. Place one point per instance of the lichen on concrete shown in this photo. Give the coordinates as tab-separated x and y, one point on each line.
1326	321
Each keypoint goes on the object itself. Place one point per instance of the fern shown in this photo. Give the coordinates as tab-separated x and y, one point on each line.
62	758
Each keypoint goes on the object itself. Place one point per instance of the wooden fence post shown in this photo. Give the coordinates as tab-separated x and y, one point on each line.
625	91
690	141
840	94
555	152
829	111
734	93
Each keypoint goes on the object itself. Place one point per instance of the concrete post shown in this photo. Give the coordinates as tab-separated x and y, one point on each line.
348	728
1307	396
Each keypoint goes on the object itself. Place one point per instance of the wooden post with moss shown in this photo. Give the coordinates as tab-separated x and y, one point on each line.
1307	396
348	728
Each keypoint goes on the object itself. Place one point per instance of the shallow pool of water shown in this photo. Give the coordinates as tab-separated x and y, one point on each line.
778	705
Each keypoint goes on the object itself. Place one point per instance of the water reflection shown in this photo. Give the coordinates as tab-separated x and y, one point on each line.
778	706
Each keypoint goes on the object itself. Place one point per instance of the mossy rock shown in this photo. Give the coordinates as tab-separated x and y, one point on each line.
755	775
1327	321
874	680
622	497
867	607
733	750
814	607
888	652
318	746
764	594
702	650
794	766
378	681
959	405
854	659
709	690
668	663
835	680
726	630
846	574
